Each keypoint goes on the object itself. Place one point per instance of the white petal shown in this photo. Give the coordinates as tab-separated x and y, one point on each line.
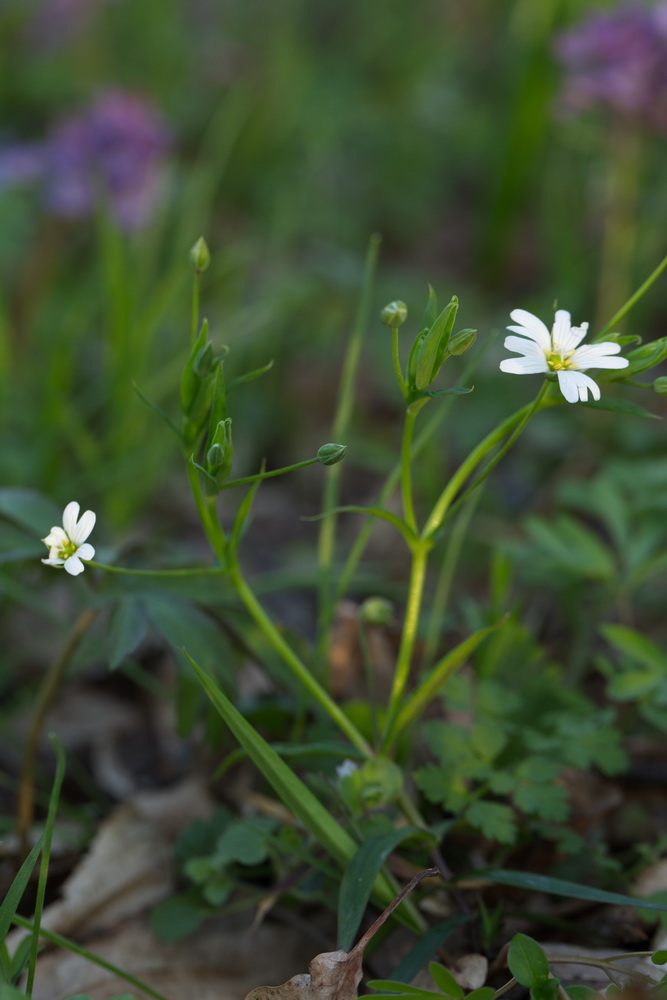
599	356
74	566
560	331
575	336
523	366
531	326
56	537
86	551
83	528
526	347
70	515
575	386
52	561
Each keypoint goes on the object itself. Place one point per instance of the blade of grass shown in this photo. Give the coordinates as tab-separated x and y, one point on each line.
46	854
77	949
295	795
17	888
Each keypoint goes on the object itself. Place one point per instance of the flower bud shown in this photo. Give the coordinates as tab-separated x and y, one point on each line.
331	454
660	385
200	256
462	342
394	314
376	611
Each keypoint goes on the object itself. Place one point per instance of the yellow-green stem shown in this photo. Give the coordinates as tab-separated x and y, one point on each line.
396	359
517	421
299	670
420	552
406	467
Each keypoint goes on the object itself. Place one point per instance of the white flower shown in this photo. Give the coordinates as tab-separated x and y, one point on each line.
347	768
68	545
559	352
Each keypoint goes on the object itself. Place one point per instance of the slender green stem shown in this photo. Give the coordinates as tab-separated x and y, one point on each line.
295	664
330	499
369	673
195	307
207	515
406	467
169	573
392	480
625	309
444	583
268	475
44	865
395	357
77	949
517	421
420	552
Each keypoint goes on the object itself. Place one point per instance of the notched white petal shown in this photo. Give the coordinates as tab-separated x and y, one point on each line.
83	528
86	551
522	366
524	346
70	515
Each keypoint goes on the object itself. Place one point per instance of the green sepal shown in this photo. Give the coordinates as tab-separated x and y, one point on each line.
189	380
644	357
431	311
433	349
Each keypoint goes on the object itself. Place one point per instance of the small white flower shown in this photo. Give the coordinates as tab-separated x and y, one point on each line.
558	352
67	545
347	768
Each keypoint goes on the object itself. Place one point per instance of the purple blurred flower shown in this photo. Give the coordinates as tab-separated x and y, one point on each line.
618	60
112	152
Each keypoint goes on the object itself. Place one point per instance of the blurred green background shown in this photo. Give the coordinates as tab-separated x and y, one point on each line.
291	131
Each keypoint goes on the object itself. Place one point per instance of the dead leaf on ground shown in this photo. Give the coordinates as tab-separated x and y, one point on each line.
470	971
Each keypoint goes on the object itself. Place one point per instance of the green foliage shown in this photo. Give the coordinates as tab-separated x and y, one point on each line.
516	748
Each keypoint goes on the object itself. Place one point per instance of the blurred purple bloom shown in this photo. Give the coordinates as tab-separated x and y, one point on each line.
618	60
112	152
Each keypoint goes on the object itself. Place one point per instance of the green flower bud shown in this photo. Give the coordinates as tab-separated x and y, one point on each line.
660	385
200	256
381	782
462	342
215	456
204	361
394	314
376	611
331	454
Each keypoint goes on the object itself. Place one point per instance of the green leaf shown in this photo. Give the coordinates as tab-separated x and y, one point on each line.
291	791
425	947
182	624
582	993
244	842
526	961
17	888
164	417
242	514
359	879
445	981
436	677
482	993
573	547
29	509
620	406
494	819
127	628
402	989
250	376
177	917
456	390
562	887
637	647
642	358
659	957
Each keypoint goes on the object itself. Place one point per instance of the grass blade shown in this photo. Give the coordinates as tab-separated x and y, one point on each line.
17	888
562	887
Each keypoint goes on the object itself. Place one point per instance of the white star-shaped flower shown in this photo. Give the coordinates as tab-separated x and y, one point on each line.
67	545
558	352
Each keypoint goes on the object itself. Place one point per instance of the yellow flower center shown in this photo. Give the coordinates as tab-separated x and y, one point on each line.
68	549
559	362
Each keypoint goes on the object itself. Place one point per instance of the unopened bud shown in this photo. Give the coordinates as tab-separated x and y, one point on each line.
376	611
200	256
394	314
331	454
215	456
462	342
660	385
